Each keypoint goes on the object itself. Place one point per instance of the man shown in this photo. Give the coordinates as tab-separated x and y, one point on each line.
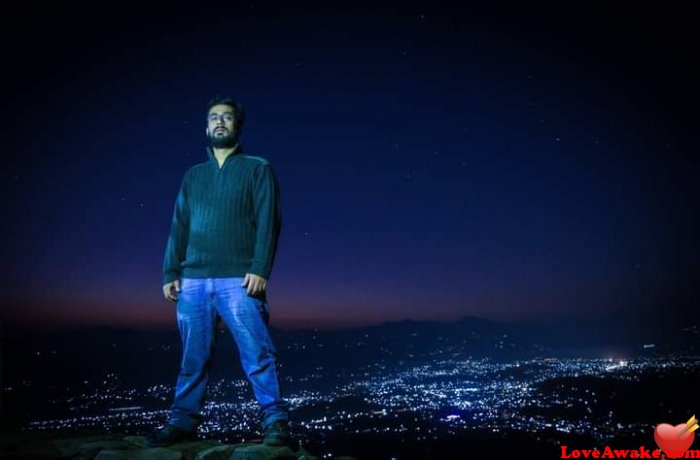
217	263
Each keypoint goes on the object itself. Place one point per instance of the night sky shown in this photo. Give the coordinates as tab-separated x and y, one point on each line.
516	164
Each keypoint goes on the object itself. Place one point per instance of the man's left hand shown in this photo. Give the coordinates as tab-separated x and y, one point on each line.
256	284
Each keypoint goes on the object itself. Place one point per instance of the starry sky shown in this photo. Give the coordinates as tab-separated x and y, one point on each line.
517	164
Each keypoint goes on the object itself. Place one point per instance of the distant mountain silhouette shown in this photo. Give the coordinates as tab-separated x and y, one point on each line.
147	356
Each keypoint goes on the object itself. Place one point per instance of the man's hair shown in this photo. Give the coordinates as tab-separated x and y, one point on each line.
238	111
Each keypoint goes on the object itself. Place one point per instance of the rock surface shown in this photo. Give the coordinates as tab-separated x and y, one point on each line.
42	446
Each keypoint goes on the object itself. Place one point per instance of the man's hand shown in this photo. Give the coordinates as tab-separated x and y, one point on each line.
171	289
256	284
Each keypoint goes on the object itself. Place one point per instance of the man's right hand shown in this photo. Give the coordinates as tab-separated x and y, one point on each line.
171	290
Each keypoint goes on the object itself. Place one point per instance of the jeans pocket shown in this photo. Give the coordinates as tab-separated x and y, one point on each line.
264	309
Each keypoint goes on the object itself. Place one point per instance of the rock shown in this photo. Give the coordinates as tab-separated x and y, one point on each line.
157	453
69	448
303	454
216	453
52	446
262	452
139	441
191	449
90	450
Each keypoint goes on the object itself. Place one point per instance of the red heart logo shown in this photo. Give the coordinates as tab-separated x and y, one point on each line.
671	441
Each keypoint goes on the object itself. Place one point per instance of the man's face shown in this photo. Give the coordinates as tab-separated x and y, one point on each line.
221	127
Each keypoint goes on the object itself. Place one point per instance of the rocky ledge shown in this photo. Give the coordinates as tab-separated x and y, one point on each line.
39	446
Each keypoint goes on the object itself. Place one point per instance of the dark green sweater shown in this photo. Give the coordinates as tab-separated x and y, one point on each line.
226	221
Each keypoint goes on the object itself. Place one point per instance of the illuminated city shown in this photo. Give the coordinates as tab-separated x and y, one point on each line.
429	401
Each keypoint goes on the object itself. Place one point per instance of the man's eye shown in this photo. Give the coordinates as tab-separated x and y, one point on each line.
226	117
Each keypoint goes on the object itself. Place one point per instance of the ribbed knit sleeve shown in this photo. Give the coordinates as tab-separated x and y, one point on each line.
179	233
268	219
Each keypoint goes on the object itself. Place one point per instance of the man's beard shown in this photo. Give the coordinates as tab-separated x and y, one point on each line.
222	142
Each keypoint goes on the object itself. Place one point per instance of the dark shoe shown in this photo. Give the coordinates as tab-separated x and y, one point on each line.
168	435
277	434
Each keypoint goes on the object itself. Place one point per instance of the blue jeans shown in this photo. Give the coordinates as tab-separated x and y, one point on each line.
201	302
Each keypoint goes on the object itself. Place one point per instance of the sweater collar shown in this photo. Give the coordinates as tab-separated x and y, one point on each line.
237	150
